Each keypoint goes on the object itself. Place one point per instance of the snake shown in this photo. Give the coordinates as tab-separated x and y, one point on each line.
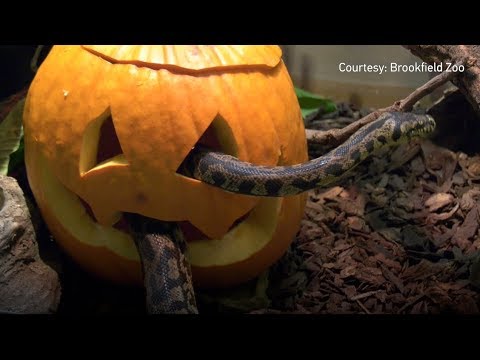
231	174
166	271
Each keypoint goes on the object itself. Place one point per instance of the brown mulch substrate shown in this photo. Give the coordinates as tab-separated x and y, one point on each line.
398	236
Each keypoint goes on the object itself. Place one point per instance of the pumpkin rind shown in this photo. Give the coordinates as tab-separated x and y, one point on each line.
159	114
194	58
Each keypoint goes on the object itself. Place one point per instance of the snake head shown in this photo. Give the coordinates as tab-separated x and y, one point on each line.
408	126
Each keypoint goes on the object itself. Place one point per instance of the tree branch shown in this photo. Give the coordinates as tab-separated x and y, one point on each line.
335	137
467	81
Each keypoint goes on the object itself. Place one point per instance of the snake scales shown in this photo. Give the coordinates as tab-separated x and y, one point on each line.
167	275
236	176
166	272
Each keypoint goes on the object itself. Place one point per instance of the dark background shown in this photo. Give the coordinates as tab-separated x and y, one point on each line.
15	71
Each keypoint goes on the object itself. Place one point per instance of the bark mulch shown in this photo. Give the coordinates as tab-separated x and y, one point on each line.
398	236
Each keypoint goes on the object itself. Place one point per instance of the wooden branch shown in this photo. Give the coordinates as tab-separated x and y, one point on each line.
335	137
467	81
407	103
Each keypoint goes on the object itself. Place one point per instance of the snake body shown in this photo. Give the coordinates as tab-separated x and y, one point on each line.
167	275
166	272
232	175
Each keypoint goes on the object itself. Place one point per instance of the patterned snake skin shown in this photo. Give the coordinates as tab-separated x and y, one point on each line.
166	271
161	245
230	174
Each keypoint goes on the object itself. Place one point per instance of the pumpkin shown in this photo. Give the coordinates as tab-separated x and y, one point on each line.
107	127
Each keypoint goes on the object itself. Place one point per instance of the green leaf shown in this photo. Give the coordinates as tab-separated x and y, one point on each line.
17	158
309	103
11	134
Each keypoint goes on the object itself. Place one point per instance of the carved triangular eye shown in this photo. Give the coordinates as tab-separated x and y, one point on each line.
218	137
108	144
100	143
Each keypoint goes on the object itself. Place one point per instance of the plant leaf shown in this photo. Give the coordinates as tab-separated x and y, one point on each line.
11	134
310	102
17	158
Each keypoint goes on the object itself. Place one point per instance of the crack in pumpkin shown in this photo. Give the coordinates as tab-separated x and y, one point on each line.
231	69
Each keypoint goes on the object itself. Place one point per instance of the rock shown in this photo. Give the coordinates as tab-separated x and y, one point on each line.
27	284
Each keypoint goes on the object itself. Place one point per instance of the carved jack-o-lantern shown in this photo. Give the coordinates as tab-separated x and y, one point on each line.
107	127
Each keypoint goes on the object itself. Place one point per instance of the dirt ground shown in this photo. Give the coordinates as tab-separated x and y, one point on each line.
399	235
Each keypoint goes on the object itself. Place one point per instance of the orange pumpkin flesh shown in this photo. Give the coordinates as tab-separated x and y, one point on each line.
109	126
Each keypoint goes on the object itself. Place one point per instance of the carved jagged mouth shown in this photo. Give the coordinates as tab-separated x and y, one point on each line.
122	224
190	231
88	209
